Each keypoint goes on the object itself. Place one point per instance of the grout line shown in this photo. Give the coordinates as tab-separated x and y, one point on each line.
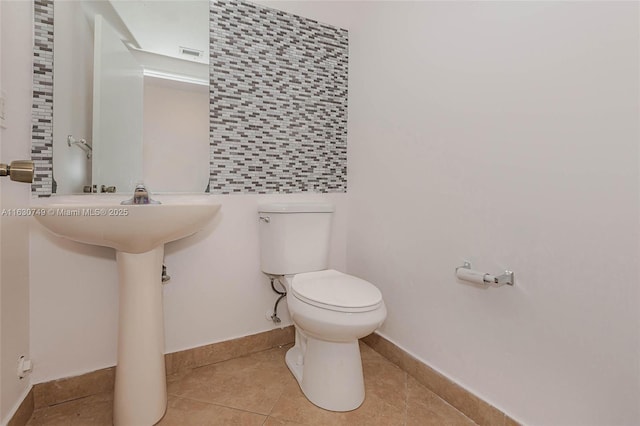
71	400
277	400
219	405
240	357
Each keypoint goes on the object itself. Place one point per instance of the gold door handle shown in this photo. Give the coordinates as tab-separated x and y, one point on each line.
19	170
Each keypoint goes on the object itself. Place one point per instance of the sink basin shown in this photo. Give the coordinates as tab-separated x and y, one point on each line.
138	234
102	221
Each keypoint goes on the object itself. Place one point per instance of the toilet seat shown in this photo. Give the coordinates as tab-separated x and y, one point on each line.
336	291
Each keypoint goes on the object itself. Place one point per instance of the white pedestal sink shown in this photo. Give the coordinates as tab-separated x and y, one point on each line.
138	234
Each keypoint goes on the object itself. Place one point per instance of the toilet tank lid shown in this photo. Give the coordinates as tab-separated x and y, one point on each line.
296	208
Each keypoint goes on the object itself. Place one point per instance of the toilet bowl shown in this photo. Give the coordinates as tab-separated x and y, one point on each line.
329	320
330	310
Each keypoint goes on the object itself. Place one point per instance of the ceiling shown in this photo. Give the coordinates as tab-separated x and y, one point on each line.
165	26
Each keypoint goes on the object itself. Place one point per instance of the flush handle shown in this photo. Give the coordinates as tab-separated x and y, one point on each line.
265	219
19	171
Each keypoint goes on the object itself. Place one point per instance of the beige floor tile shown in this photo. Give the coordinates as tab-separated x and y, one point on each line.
251	383
383	380
258	389
384	404
94	410
185	412
425	408
272	421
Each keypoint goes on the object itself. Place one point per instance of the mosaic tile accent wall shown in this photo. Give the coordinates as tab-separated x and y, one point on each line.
42	108
278	101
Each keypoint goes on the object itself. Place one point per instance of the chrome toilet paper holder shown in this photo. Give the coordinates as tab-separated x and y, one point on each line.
465	273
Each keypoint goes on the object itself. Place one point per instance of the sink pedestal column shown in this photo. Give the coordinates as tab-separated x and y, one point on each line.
141	389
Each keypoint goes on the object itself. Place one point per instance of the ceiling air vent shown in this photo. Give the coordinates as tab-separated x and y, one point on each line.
191	53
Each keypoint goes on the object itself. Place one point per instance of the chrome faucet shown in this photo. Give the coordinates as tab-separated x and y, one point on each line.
140	196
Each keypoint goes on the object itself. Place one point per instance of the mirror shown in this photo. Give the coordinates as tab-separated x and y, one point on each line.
130	96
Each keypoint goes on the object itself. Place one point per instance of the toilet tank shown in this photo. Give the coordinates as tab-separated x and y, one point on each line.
294	237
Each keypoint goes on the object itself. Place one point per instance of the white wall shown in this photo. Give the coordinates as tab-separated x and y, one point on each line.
505	133
15	71
175	149
1	206
216	292
118	90
72	96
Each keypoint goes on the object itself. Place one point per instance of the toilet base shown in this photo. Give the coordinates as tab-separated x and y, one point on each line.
329	373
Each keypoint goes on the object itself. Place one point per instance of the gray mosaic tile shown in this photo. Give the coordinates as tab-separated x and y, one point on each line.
42	108
278	101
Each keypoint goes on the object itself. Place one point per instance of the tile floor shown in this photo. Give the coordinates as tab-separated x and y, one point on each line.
258	389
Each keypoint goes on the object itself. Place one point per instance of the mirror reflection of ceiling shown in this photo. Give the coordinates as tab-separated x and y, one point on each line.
168	28
158	32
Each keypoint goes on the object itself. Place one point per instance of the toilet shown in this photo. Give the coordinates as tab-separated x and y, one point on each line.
330	310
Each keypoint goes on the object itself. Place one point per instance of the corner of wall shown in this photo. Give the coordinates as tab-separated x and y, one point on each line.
15	51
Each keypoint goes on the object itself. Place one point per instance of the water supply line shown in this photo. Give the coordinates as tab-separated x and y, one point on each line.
283	294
